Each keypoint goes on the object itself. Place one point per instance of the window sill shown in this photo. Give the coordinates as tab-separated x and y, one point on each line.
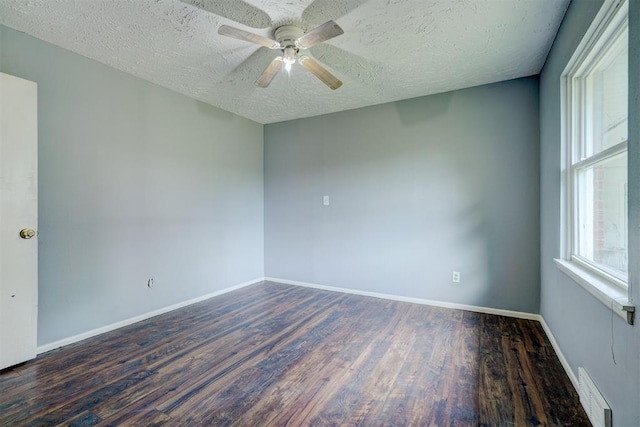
614	298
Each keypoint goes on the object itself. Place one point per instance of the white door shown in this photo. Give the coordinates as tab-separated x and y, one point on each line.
18	220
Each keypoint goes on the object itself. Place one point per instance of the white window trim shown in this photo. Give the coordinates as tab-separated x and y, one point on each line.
613	293
611	296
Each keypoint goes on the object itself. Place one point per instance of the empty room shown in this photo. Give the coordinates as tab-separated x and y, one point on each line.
320	212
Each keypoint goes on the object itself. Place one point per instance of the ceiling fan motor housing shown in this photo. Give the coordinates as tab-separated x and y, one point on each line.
287	35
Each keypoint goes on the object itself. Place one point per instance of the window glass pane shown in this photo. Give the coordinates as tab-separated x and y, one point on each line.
606	100
602	215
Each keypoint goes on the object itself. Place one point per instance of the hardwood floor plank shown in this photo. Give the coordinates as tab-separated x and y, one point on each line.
205	359
79	376
462	403
274	354
85	401
415	386
144	417
306	385
274	331
253	374
85	418
493	406
351	396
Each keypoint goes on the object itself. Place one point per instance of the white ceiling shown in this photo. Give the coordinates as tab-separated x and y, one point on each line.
391	49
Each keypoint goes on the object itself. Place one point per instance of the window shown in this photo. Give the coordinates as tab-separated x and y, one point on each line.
595	108
598	159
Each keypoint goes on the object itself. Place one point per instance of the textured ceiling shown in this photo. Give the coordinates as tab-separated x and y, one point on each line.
391	49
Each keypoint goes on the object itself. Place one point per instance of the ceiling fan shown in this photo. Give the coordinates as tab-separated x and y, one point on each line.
291	40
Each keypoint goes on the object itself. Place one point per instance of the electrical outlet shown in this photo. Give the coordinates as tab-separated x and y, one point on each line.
456	277
150	283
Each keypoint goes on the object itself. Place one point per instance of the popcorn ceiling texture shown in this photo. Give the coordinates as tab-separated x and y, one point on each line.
391	49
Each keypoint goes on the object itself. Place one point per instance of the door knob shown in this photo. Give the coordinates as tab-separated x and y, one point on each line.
27	233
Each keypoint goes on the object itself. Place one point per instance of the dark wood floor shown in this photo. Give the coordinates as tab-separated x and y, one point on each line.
273	354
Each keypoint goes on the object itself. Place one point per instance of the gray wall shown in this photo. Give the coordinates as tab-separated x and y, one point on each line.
418	189
584	328
135	182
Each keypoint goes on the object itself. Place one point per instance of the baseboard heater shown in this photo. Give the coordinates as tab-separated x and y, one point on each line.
593	402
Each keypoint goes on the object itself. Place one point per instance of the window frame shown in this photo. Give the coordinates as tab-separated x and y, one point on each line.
598	42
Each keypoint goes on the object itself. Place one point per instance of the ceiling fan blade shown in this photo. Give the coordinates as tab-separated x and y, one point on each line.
364	71
320	72
324	32
239	34
269	73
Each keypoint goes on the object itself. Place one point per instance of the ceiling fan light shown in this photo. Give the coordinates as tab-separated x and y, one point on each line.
289	55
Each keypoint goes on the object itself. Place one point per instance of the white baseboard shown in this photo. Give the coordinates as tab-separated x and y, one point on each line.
487	310
92	333
563	360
